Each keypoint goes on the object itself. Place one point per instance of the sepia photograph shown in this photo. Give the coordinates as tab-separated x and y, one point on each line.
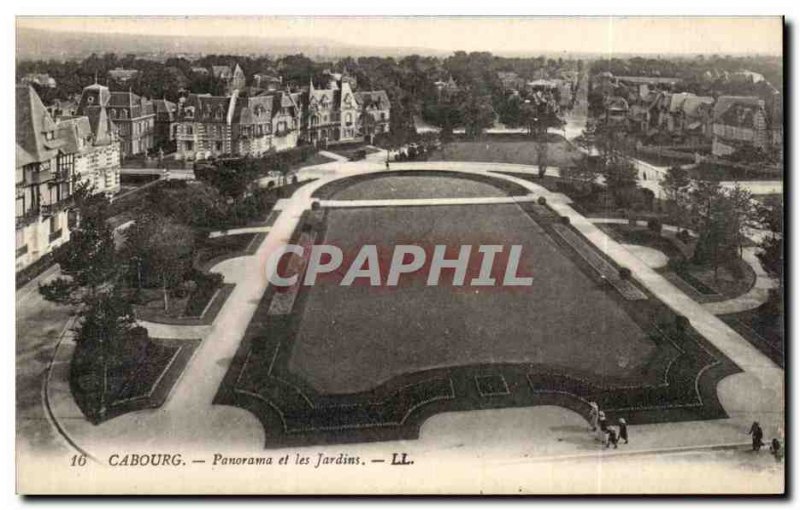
400	255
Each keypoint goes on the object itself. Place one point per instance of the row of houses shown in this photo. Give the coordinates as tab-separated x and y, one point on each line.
255	121
51	158
650	106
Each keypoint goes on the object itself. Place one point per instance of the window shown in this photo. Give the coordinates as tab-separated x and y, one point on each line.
123	114
189	130
189	146
348	119
218	146
90	99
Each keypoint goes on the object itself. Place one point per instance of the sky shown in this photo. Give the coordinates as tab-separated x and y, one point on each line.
641	35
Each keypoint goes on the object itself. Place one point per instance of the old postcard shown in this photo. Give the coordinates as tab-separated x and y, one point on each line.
399	255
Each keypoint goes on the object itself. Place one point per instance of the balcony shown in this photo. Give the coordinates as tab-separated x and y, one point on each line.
49	209
30	216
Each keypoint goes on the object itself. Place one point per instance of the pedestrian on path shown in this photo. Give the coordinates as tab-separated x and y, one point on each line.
602	426
757	434
775	449
611	437
623	430
594	414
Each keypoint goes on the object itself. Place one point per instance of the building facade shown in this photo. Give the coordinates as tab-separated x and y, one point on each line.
336	115
133	116
44	180
739	121
94	141
237	125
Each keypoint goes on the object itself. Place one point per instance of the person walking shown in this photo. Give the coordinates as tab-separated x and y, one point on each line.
612	437
757	434
602	427
594	414
623	430
776	449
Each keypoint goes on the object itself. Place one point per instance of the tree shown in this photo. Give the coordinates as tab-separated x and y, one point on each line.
621	179
88	260
720	217
584	174
104	340
367	121
160	252
676	184
477	112
105	320
770	218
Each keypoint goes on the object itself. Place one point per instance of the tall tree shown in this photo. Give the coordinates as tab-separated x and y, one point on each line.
161	251
676	184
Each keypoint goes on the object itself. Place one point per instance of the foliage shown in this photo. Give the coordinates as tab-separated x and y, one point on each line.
720	217
88	260
159	251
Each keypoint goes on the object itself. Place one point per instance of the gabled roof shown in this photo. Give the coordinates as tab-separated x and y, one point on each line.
101	125
138	106
207	108
377	98
99	94
73	131
34	126
252	110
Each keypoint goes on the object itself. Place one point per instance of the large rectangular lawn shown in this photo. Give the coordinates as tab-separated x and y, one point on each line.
352	339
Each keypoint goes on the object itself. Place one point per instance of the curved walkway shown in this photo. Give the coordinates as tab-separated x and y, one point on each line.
189	420
755	297
235	231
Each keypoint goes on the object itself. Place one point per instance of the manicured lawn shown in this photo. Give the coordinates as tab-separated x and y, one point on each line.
411	186
314	159
353	338
712	171
765	331
517	150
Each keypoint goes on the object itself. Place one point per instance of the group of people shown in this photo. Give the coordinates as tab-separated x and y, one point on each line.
757	435
608	435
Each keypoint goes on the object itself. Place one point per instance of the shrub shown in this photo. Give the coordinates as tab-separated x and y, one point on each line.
565	220
315	205
624	273
682	324
654	225
541	201
684	236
